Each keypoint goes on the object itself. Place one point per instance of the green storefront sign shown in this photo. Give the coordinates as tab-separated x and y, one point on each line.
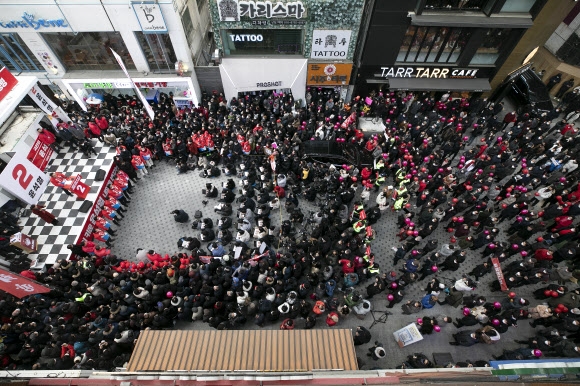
98	85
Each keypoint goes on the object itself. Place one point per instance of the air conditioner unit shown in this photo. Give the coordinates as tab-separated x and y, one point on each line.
216	57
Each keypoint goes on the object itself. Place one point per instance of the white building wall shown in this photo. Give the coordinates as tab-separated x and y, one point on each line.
562	33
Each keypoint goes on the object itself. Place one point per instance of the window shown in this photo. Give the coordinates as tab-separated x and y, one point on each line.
517	6
89	50
16	56
570	51
433	44
455	5
158	50
262	42
200	5
187	24
492	44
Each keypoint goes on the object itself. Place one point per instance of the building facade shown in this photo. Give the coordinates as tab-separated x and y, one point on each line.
68	44
285	45
445	45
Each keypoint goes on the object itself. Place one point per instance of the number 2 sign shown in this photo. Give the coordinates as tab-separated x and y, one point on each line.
23	179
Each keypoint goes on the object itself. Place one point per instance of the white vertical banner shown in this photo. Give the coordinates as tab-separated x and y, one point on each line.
150	111
47	105
24	179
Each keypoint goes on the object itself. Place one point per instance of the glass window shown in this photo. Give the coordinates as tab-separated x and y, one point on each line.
433	44
89	50
16	56
455	5
187	24
520	6
570	51
262	42
158	50
491	46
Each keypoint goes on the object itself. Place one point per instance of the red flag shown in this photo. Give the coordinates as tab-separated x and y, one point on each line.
79	188
499	273
20	286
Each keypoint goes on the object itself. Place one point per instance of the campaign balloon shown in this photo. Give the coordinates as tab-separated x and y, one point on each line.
419	321
169	294
537	353
390	297
512	295
437	328
495	322
497	305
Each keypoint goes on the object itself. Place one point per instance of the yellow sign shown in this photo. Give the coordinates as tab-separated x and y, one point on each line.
328	74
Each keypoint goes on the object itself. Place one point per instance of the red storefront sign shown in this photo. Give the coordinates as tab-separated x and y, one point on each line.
20	286
7	82
40	154
499	273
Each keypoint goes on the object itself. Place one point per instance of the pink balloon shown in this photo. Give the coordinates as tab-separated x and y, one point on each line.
434	268
404	163
415	233
169	294
440	170
491	246
414	252
497	305
390	297
394	285
495	322
437	328
466	311
407	220
419	321
524	253
426	159
515	246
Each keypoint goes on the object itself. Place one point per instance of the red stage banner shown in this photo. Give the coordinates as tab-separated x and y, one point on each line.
40	154
20	286
79	188
499	273
87	231
7	82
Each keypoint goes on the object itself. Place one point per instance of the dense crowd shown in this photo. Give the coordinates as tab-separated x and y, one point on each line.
319	268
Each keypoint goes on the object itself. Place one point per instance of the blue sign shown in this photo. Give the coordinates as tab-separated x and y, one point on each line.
29	21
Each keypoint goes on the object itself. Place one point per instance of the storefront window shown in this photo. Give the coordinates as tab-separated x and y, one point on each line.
491	46
159	51
16	56
517	6
262	42
455	5
89	50
433	44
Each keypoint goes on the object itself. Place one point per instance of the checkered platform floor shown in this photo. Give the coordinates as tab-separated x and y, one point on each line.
52	240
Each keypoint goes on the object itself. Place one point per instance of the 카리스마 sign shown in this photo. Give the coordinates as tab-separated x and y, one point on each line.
328	74
232	10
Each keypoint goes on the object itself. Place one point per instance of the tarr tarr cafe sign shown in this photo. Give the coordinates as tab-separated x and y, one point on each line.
428	72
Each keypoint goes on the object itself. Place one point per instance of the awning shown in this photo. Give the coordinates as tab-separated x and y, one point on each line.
426	84
455	20
244	350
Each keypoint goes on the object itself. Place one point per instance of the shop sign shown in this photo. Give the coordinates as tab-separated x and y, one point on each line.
246	38
7	82
330	44
328	74
98	85
149	16
29	21
125	84
278	22
428	72
232	10
277	83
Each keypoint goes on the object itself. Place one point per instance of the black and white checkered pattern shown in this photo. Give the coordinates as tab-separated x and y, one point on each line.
52	240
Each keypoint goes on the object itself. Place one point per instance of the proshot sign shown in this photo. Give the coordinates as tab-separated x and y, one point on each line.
428	72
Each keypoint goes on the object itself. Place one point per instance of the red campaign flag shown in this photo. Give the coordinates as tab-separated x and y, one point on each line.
40	154
362	215
7	82
499	273
20	286
79	188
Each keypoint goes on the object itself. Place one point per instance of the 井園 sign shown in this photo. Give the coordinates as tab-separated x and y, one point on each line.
330	44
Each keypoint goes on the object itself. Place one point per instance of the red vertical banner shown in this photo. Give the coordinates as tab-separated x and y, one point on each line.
7	82
40	154
499	273
20	286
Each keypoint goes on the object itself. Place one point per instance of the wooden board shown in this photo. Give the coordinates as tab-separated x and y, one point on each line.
238	350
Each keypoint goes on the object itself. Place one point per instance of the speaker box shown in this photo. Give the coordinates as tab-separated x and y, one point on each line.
100	175
86	206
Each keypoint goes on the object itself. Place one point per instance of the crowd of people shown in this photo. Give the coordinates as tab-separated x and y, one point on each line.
316	269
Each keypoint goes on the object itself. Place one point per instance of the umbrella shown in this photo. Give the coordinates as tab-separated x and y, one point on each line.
94	99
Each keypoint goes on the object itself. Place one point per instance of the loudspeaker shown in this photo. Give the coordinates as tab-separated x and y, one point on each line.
100	175
86	206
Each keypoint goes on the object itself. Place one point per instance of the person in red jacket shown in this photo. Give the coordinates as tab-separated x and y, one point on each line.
95	131
103	236
347	266
102	122
543	254
103	224
563	222
48	138
139	165
102	252
109	213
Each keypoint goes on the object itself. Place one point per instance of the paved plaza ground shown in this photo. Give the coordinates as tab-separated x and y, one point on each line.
149	225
